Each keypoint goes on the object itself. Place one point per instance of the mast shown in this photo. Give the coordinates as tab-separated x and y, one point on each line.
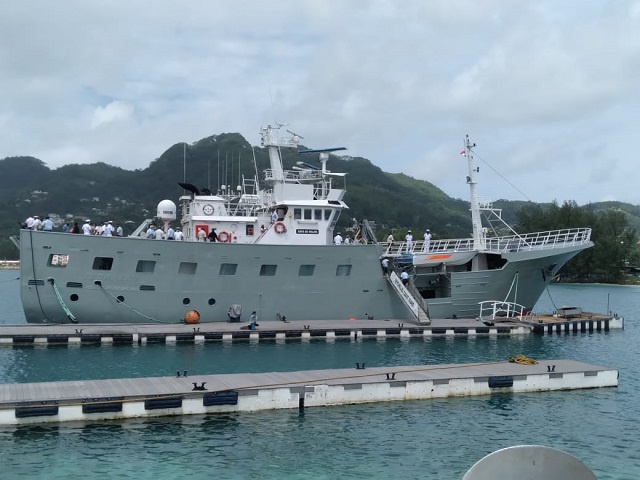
273	144
478	233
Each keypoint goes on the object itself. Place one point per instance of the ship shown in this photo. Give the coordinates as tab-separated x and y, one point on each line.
276	255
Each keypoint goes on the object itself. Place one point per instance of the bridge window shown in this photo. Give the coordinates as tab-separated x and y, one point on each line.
306	270
327	214
307	214
343	270
317	214
146	266
297	213
187	268
228	268
268	270
102	263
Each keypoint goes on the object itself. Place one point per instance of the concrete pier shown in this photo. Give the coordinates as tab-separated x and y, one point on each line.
210	394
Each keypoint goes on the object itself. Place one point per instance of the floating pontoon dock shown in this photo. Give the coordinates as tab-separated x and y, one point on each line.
269	330
209	394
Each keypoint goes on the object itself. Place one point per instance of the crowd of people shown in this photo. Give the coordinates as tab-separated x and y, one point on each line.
106	229
157	233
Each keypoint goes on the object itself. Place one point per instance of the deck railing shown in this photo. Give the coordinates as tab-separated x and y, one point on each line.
513	243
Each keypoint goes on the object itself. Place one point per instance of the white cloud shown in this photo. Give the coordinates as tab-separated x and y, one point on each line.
548	90
113	112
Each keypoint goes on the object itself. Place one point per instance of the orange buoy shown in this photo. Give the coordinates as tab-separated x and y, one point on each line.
192	317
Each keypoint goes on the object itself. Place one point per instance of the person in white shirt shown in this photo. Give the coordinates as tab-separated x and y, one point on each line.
404	276
202	236
119	231
337	239
179	235
409	239
29	223
159	234
86	227
37	223
427	241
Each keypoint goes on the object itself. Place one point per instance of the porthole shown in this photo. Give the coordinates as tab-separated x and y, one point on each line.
120	299
212	301
186	301
74	297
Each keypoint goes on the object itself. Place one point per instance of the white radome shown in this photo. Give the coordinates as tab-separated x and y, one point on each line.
166	210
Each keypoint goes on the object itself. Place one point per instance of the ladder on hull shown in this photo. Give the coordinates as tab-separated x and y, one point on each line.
411	298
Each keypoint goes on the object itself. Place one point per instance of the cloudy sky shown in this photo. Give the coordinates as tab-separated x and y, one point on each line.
549	90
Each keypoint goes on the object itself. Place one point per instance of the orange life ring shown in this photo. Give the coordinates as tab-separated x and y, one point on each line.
224	237
280	227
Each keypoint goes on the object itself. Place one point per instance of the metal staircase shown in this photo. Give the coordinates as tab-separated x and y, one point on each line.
411	298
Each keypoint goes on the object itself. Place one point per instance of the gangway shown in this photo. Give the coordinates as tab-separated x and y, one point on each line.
411	298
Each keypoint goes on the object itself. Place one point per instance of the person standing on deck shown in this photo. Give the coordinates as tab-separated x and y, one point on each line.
179	235
119	231
86	227
427	241
213	236
47	225
337	239
202	237
385	266
390	238
159	234
404	276
171	234
409	239
29	223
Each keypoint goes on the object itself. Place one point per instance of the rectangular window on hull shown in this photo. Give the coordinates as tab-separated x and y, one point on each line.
146	266
187	268
343	270
268	270
102	263
57	260
228	268
306	270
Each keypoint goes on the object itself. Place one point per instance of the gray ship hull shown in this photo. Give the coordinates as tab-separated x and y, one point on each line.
521	280
92	279
100	280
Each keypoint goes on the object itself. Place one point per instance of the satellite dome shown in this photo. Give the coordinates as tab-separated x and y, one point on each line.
166	210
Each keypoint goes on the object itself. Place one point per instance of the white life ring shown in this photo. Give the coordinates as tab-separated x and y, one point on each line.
224	237
280	227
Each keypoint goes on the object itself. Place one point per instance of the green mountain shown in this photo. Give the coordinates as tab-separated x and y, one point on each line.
395	202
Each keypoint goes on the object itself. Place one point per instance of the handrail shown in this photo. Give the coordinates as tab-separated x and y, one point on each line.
495	309
512	243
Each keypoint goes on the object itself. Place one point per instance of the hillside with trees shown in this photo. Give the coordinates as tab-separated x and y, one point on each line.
394	202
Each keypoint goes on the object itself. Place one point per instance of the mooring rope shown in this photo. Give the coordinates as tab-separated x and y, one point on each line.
121	302
62	304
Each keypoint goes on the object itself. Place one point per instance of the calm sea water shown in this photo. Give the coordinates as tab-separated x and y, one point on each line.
438	439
